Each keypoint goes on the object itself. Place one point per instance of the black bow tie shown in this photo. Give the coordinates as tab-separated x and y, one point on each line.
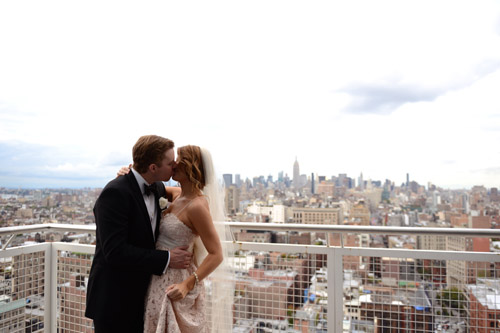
148	189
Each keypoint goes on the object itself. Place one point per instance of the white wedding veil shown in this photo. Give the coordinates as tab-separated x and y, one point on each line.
220	284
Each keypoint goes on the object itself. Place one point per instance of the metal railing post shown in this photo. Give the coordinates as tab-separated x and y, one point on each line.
49	316
339	289
52	306
333	293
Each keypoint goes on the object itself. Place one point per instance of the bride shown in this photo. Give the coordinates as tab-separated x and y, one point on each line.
176	300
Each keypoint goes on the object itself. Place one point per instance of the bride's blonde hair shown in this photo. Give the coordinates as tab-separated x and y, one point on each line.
190	159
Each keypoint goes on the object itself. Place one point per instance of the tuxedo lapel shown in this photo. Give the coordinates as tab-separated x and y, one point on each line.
141	204
161	193
158	218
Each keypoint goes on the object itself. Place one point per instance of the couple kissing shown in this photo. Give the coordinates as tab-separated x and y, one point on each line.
151	259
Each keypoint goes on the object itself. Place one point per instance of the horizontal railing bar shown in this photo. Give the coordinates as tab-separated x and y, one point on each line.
357	229
420	254
45	227
24	249
70	247
290	248
343	229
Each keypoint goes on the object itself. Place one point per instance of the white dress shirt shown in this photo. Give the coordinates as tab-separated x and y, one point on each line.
149	200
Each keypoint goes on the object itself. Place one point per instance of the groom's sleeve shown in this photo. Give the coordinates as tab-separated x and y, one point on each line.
112	213
168	262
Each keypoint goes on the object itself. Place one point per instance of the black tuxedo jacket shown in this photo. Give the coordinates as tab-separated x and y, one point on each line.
125	255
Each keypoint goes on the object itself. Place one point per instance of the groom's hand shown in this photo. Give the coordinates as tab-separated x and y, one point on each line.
180	257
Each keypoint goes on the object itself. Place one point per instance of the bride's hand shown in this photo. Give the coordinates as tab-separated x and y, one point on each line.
178	291
123	171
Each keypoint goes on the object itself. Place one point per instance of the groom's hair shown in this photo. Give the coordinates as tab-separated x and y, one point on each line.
150	149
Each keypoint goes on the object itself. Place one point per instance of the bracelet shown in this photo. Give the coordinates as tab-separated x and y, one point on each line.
196	278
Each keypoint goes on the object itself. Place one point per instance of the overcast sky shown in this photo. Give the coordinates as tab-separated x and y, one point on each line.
379	87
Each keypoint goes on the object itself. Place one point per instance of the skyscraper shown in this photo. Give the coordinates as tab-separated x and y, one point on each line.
342	179
494	194
287	181
232	200
296	174
465	203
228	179
313	187
436	200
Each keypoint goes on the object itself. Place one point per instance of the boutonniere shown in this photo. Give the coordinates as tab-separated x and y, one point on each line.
163	203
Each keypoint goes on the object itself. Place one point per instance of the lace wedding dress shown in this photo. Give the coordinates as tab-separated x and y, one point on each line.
186	315
194	313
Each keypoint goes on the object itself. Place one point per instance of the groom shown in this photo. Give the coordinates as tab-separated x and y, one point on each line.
127	215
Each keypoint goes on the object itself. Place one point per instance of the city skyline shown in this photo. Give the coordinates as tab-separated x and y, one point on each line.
383	89
275	178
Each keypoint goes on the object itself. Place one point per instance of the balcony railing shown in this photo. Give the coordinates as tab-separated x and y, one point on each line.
340	285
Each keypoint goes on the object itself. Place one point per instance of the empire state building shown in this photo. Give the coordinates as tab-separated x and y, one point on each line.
296	174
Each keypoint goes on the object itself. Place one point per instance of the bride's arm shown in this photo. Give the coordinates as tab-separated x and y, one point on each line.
123	171
172	193
199	215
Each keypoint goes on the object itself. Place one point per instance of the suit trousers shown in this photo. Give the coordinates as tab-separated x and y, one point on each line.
116	327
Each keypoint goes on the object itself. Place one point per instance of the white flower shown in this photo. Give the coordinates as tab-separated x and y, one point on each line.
163	203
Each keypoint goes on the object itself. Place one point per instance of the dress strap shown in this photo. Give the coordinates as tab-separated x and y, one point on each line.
185	206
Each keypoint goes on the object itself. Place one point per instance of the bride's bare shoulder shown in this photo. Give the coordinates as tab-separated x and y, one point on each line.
199	205
202	201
